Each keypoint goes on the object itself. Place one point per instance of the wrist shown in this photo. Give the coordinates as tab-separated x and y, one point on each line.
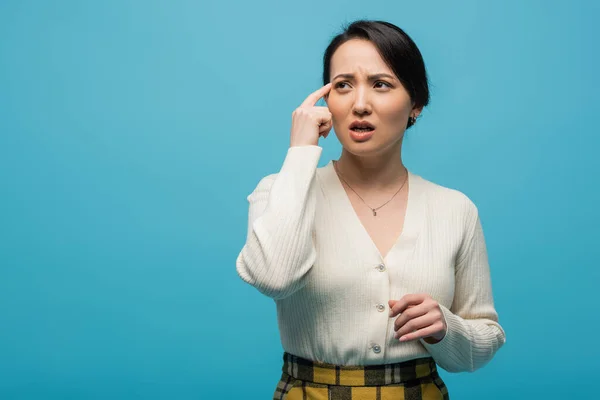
436	338
432	340
300	144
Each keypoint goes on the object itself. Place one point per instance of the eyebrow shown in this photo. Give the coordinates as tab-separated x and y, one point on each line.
370	77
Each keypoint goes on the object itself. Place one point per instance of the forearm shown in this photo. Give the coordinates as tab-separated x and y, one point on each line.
468	344
279	250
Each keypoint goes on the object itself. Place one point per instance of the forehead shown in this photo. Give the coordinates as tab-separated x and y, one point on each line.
358	56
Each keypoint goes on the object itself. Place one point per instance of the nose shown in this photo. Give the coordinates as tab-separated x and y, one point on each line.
362	105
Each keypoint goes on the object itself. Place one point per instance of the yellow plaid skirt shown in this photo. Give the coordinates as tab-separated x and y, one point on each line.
304	379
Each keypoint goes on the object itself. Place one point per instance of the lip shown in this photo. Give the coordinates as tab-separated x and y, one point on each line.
361	136
361	124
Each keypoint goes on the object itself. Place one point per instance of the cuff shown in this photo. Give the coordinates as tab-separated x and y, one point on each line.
302	158
451	347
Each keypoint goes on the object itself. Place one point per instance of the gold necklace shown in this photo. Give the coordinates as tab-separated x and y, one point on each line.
372	209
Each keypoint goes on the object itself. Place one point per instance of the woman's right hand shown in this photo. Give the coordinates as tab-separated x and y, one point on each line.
310	122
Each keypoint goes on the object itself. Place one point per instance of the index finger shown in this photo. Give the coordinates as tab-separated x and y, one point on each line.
406	302
312	98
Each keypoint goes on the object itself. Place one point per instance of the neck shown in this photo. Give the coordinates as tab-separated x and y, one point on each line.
382	171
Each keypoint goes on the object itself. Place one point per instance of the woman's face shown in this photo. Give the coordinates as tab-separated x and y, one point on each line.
364	88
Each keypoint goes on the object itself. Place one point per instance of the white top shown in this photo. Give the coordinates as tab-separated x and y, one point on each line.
307	249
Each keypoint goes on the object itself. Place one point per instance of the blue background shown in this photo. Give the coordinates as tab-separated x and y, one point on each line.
131	133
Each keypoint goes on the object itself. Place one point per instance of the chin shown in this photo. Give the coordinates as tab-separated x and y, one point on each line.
370	147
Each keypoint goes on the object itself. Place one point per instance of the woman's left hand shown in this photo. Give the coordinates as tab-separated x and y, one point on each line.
420	317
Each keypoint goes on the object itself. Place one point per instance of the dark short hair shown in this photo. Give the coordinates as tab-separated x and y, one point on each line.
396	48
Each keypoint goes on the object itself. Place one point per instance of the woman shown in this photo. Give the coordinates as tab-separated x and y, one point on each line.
379	275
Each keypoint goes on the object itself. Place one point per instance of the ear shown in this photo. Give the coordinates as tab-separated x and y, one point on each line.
417	111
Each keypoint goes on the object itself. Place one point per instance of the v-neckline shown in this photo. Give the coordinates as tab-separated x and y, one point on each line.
412	215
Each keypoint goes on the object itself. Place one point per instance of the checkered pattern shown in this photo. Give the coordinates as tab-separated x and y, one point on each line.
304	379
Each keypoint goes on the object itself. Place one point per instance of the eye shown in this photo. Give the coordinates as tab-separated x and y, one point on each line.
337	85
384	83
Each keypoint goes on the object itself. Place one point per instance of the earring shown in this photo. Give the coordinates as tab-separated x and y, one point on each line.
413	119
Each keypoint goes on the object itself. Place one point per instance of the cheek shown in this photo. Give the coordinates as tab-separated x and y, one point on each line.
335	107
393	112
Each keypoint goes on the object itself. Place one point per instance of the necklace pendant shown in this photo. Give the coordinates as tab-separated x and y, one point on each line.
374	213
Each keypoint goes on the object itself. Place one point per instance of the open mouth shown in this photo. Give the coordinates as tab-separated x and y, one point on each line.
361	131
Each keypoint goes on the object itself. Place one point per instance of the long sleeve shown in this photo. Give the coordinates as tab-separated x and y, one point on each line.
473	334
279	251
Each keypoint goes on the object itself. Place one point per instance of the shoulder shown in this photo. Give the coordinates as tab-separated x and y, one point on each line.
447	199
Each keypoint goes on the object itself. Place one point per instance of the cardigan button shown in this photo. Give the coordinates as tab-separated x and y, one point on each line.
381	267
380	307
377	349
